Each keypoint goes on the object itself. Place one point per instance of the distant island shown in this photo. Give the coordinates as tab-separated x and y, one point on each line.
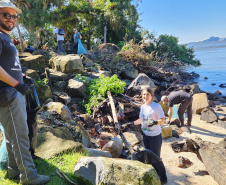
214	39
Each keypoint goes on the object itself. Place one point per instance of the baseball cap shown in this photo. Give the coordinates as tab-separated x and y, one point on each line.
8	4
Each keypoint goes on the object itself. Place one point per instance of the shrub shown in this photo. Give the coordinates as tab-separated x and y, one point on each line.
97	90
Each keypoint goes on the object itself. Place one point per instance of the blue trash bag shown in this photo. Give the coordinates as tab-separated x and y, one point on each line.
3	153
81	49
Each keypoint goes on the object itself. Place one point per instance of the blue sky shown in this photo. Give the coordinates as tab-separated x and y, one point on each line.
189	20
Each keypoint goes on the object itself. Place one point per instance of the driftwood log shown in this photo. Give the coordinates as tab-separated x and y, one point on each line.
117	125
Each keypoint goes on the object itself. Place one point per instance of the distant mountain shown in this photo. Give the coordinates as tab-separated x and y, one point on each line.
209	40
214	39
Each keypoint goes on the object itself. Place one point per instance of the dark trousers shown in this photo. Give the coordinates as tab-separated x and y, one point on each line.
154	144
75	48
185	106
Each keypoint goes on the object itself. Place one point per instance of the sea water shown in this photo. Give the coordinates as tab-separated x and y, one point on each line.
213	59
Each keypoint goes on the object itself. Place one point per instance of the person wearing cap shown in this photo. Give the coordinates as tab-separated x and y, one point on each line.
60	40
77	36
185	100
13	116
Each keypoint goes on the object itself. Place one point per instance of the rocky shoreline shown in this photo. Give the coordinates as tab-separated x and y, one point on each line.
62	123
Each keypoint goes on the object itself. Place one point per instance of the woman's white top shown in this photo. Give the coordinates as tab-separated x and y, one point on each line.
153	111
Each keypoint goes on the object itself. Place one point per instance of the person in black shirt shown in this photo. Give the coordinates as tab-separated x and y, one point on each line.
13	115
185	101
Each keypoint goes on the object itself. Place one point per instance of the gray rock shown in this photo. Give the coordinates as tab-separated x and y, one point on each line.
61	109
49	145
76	88
36	62
208	115
67	64
97	153
200	102
114	147
102	170
141	81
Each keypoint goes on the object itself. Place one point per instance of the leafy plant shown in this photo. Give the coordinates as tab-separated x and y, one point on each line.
42	82
97	90
82	78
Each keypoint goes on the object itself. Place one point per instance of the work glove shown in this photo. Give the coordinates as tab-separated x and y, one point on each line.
152	122
127	124
24	89
28	80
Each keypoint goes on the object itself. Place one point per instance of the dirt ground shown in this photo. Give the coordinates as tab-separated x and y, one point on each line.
187	176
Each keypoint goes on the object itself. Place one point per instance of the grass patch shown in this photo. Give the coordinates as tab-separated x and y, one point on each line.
64	162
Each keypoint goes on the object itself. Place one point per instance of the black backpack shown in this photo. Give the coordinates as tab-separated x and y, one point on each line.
60	31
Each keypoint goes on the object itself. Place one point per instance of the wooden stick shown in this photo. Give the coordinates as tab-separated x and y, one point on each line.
117	125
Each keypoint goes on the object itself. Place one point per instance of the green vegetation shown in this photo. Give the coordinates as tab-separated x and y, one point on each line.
90	17
42	82
163	50
64	162
97	90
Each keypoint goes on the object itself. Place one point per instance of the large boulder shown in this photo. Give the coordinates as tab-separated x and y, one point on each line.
76	88
107	48
58	76
133	137
114	147
200	101
61	109
208	115
44	92
102	170
142	80
36	62
49	145
67	63
33	74
129	72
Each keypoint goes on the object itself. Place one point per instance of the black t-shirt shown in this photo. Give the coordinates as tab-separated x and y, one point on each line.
9	58
177	97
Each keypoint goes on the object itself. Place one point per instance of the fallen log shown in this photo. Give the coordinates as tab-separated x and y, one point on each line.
117	125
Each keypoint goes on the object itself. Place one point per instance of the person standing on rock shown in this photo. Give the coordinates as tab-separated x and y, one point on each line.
13	115
59	35
185	101
77	36
151	117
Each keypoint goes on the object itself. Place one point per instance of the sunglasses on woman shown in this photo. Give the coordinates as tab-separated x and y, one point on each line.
8	16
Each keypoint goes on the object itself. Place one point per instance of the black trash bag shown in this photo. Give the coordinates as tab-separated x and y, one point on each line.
32	98
32	107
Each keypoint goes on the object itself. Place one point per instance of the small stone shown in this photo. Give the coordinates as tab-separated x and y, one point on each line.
184	162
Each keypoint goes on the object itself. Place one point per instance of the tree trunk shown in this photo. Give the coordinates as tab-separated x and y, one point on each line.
105	34
20	37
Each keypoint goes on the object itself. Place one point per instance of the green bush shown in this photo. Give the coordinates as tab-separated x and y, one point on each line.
97	90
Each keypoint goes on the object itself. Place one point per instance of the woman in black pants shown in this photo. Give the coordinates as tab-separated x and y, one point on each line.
151	117
76	36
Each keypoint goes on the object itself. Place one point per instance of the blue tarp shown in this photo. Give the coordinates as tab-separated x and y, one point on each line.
81	49
3	153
